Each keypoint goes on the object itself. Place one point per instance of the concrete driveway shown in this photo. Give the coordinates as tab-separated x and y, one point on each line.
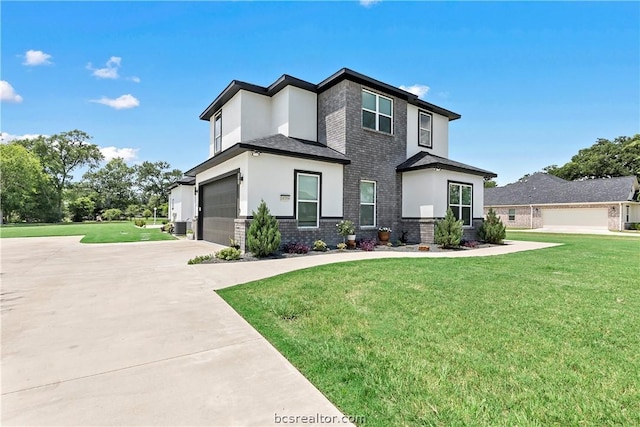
128	334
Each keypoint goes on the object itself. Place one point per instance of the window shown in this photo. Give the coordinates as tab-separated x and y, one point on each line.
217	133
460	199
308	199
512	214
628	215
424	131
377	112
367	204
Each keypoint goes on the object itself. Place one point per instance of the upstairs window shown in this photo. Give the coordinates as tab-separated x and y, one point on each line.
460	201
377	112
424	131
217	133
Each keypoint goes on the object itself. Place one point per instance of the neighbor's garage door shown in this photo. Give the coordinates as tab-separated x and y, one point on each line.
219	208
575	218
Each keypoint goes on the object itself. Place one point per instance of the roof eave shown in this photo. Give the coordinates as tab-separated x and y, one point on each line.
484	174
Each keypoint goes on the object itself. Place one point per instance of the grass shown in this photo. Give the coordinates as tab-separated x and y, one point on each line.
545	337
103	232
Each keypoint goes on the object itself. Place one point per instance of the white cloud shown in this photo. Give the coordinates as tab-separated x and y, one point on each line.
7	93
36	57
127	154
134	79
120	103
108	72
369	3
7	137
418	90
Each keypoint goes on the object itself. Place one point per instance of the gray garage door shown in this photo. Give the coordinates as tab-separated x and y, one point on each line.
219	203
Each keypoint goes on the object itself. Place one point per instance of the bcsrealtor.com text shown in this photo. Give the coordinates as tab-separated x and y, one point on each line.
318	419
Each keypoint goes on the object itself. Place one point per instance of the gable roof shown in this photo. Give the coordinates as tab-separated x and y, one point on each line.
542	188
286	80
185	180
275	144
424	160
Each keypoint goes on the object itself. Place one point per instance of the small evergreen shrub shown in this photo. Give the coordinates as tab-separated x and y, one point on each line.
263	236
228	254
140	222
200	259
448	232
492	229
295	248
368	244
319	246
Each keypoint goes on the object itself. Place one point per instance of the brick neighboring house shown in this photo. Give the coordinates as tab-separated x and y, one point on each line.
350	147
546	201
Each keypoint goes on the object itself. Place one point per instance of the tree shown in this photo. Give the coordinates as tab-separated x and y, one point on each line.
492	229
81	208
604	159
22	180
153	178
111	214
114	183
61	154
490	183
448	232
263	236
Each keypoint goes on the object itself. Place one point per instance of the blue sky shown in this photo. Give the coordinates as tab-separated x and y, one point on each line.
534	82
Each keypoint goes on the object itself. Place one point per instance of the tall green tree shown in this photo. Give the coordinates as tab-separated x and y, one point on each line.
153	178
114	183
604	159
60	155
22	182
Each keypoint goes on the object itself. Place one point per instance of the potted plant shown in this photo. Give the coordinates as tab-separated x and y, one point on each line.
189	234
383	234
347	230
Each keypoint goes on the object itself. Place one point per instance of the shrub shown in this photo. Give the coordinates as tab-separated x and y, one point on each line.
448	232
403	239
111	214
345	227
368	244
263	236
295	248
342	246
470	244
81	208
147	213
228	254
200	259
492	229
233	243
168	228
140	222
319	246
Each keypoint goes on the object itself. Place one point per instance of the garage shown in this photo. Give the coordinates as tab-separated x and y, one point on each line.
575	218
218	200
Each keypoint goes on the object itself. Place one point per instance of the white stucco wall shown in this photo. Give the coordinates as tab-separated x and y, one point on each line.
303	115
425	192
280	112
231	125
256	116
270	176
239	162
439	134
181	203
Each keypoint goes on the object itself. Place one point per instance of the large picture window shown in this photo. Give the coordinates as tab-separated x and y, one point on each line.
424	131
217	133
308	199
367	204
460	201
377	112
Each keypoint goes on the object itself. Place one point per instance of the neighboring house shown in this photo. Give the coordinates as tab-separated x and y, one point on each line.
546	201
182	200
350	147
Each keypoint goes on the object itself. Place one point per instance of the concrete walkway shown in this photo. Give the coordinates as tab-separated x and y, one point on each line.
128	334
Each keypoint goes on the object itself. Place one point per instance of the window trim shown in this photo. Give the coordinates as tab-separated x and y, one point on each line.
430	145
374	204
512	216
377	113
318	175
217	147
460	205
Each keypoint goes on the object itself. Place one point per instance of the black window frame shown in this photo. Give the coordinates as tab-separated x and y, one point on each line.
460	206
426	113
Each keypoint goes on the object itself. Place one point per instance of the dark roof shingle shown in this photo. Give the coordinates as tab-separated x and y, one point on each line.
424	160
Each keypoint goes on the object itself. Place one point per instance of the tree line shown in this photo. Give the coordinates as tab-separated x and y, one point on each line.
37	182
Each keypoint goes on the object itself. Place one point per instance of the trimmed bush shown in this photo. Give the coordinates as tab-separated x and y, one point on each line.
448	232
492	229
295	248
228	254
140	222
263	236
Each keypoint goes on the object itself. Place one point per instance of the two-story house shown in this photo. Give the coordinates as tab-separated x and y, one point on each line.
350	147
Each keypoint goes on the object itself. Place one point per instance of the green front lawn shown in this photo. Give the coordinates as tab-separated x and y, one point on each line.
545	337
100	232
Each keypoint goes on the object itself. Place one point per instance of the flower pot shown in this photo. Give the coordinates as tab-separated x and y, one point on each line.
351	241
383	236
